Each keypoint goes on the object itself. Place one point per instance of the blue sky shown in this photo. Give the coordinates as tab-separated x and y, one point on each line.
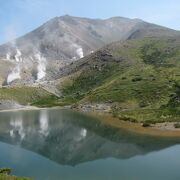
18	17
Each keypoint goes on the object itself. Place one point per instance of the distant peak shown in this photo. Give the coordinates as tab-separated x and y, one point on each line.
118	17
124	18
66	15
115	18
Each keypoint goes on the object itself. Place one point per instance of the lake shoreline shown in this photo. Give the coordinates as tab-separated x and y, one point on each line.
160	129
29	108
165	129
104	114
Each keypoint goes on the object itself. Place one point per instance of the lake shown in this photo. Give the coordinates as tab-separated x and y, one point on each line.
54	144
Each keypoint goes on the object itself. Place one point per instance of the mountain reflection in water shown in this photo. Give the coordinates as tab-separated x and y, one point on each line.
70	138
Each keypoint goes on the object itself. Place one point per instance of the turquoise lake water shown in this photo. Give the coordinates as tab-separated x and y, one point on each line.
65	145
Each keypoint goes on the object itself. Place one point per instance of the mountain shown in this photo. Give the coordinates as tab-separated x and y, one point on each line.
41	54
138	79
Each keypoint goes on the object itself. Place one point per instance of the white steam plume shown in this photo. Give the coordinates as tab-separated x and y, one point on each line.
18	55
15	74
17	126
81	135
83	132
44	123
80	52
41	66
8	56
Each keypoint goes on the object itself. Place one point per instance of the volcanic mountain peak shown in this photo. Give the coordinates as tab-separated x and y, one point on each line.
40	54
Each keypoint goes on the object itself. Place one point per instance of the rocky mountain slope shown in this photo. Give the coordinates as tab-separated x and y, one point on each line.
41	54
138	79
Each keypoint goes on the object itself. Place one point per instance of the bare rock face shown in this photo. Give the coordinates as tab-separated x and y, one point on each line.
42	53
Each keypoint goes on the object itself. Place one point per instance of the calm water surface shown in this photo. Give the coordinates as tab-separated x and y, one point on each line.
65	145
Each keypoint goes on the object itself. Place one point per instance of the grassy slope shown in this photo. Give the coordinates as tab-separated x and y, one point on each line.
140	77
28	95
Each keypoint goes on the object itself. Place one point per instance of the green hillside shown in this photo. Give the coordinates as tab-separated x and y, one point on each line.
25	95
139	78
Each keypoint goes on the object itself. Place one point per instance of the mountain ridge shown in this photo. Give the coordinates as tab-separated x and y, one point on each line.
40	54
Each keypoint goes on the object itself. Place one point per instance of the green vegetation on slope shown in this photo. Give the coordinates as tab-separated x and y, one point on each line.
28	95
140	78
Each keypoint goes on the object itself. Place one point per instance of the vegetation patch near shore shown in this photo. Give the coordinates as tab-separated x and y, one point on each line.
5	175
140	78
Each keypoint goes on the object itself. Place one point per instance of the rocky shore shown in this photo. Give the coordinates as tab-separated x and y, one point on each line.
104	113
101	108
